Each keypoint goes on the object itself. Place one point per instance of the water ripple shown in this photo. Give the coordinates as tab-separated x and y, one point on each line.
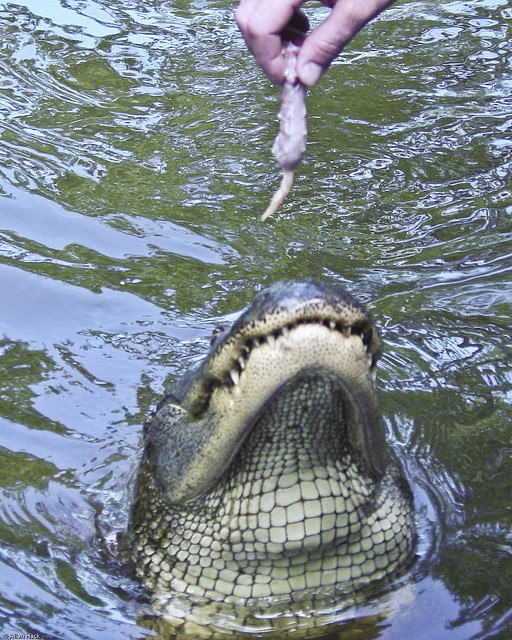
134	164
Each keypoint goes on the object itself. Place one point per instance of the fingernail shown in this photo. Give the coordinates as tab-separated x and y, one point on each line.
311	73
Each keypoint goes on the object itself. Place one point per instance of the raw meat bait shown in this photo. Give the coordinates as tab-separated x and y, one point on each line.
290	142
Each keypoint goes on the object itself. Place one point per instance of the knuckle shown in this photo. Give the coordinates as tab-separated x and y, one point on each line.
254	29
241	18
249	26
327	48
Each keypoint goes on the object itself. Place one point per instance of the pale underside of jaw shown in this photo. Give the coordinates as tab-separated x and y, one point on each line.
268	363
235	405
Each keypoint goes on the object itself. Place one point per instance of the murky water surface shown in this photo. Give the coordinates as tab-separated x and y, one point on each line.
134	164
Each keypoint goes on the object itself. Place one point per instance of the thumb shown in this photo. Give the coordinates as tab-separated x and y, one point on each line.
327	40
323	44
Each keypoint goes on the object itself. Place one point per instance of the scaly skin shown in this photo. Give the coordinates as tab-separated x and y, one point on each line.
265	483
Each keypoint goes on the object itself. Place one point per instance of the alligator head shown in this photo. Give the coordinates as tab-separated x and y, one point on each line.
265	473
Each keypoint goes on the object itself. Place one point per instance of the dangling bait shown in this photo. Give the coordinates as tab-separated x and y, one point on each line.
290	142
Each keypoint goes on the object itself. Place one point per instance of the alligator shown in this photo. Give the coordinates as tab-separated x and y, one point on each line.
266	481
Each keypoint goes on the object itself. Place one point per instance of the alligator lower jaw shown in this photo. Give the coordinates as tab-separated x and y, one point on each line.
231	410
271	363
226	366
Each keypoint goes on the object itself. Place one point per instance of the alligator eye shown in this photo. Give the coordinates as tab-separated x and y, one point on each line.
216	332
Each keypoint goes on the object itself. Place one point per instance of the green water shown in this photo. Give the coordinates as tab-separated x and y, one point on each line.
134	165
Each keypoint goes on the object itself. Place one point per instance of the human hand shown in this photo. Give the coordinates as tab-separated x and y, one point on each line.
262	23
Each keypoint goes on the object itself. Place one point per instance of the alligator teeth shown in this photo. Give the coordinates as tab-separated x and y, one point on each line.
332	324
285	332
271	341
241	362
235	376
347	331
256	342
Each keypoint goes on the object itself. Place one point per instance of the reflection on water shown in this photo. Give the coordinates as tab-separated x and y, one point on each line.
134	163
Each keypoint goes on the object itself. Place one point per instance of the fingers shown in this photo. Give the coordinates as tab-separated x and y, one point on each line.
261	23
325	42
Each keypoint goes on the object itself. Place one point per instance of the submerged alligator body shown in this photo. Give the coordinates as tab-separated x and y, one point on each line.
265	476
